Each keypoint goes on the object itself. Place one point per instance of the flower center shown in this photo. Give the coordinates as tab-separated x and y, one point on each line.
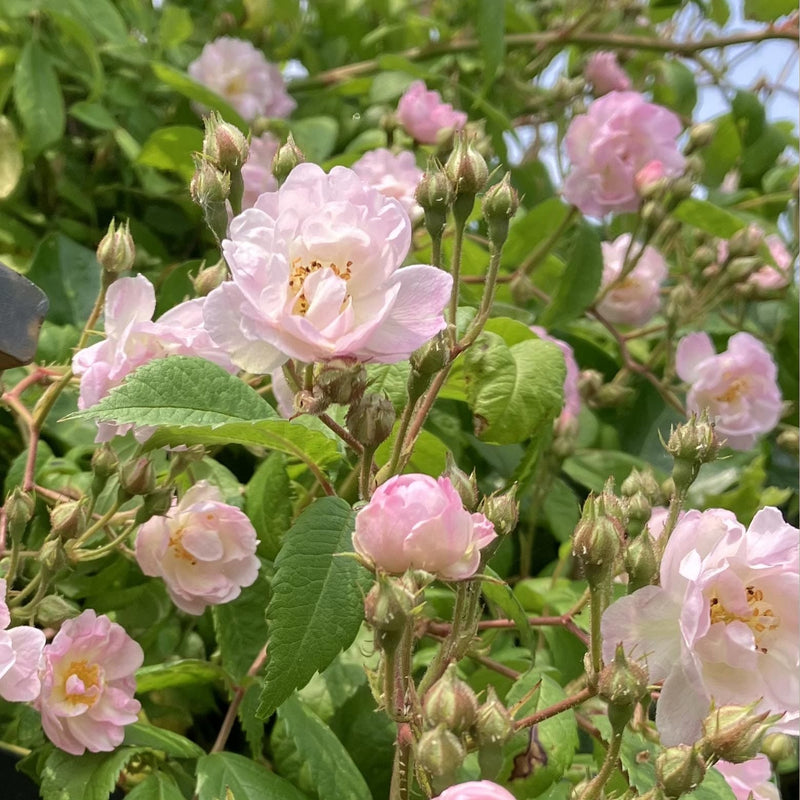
176	545
300	271
760	619
735	388
235	85
83	683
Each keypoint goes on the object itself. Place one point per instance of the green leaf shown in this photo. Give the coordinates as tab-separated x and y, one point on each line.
723	152
749	116
93	114
140	734
69	275
241	628
708	217
316	136
768	10
38	98
10	158
514	392
429	455
171	149
180	391
186	672
247	780
675	87
157	786
175	26
490	24
317	600
580	282
527	231
91	776
592	468
98	16
562	510
548	748
184	85
499	593
391	380
332	771
268	504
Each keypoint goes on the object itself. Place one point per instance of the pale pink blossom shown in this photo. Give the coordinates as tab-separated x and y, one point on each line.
20	656
723	624
423	114
394	175
240	74
475	790
738	387
415	521
88	684
658	520
203	549
316	276
284	396
132	339
257	170
648	176
572	396
608	145
605	74
634	299
750	779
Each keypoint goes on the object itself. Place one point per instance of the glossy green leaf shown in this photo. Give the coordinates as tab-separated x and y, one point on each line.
247	780
675	86
171	149
268	504
708	217
186	672
141	734
91	776
156	786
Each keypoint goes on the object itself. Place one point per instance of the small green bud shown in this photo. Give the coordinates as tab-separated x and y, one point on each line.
735	733
596	542
434	193
116	251
389	604
68	519
789	440
289	155
341	381
740	269
208	278
52	555
104	461
681	188
19	508
692	444
779	747
500	203
465	485
642	481
371	419
701	135
705	256
439	752
466	168
209	186
522	288
746	242
612	395
155	504
494	724
679	770
680	304
433	356
502	510
622	684
638	509
450	702
137	477
641	562
224	144
53	609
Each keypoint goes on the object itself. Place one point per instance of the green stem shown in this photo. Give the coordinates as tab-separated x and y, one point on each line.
365	475
458	242
546	245
598	602
92	529
595	786
99	552
402	429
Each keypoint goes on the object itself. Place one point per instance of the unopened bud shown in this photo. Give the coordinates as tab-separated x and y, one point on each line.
590	381
340	381
68	519
746	242
19	508
116	251
642	481
104	461
434	193
680	304
705	256
494	723
465	485
468	173
439	752
740	269
596	542
681	188
502	510
208	278
679	770
371	419
641	562
53	609
612	395
735	733
701	135
52	555
779	747
637	509
209	186
224	144
522	288
691	444
137	477
650	180
653	213
450	702
289	155
789	440
622	684
155	504
433	356
387	607
499	204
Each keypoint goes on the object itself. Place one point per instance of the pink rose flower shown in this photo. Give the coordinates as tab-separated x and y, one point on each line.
20	656
240	74
619	135
605	74
424	116
750	779
723	624
647	177
635	299
392	175
738	387
88	684
475	790
315	277
572	397
257	170
203	549
658	519
415	521
132	339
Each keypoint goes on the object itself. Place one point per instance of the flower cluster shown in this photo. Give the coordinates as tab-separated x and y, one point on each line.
738	387
392	175
315	277
423	114
133	339
203	548
723	624
619	135
239	73
417	522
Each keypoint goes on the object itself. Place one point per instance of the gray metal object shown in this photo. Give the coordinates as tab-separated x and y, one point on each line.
22	309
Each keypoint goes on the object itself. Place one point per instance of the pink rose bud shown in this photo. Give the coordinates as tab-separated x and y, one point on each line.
88	684
415	521
750	779
424	116
203	549
737	387
620	134
475	790
393	176
605	74
20	654
635	299
648	177
240	74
